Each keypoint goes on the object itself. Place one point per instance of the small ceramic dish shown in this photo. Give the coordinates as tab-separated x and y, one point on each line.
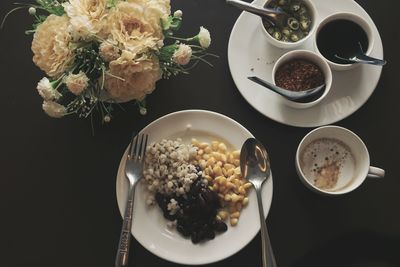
314	58
351	17
291	45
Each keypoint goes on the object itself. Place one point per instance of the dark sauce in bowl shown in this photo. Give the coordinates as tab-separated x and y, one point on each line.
342	38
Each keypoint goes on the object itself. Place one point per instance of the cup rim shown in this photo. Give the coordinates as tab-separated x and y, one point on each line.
291	45
346	16
322	64
346	190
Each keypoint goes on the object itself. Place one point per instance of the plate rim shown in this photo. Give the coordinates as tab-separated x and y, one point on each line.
314	123
267	208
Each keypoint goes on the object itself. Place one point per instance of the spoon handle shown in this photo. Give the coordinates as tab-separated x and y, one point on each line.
263	12
268	257
268	85
362	58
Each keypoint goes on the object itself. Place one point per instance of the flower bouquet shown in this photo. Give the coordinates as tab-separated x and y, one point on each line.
100	52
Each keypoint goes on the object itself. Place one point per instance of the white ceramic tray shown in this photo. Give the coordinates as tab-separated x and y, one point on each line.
249	54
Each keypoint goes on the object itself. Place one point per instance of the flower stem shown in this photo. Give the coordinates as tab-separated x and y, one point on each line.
179	39
9	13
202	59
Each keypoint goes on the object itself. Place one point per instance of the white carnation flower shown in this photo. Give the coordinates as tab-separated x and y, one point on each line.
76	83
86	15
54	109
204	37
178	14
46	90
182	55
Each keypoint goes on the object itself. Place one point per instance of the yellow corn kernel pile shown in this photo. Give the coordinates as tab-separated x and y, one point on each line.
222	171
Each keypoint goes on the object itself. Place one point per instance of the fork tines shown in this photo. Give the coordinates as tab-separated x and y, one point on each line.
137	150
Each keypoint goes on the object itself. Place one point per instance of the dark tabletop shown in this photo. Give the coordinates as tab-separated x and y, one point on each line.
57	183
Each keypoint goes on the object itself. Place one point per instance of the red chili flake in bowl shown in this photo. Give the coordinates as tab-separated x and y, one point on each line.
299	75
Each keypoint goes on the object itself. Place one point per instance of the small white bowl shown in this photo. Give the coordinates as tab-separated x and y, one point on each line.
314	58
291	45
351	17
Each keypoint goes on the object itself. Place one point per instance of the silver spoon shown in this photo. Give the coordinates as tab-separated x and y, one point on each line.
274	16
361	57
291	95
255	167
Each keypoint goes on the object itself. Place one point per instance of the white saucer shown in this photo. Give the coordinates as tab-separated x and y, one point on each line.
250	54
149	226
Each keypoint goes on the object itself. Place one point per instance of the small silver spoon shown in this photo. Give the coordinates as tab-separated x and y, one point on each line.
361	57
291	95
255	167
274	16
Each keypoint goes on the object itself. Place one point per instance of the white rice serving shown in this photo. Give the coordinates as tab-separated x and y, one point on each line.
168	170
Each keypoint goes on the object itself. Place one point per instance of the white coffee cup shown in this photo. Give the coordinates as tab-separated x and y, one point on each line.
340	150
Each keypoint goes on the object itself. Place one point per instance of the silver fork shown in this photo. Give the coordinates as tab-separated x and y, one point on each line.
134	172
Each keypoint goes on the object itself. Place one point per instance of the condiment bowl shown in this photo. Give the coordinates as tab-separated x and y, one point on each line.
292	45
313	58
351	17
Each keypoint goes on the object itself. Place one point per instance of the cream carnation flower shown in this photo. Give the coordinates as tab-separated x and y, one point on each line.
76	83
86	15
46	90
132	79
154	11
109	51
136	25
182	55
51	45
204	37
54	109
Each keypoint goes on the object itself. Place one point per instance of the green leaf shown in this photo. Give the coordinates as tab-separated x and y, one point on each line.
52	6
38	20
111	3
171	24
176	24
166	52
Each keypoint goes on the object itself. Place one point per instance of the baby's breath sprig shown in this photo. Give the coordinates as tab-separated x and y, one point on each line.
88	60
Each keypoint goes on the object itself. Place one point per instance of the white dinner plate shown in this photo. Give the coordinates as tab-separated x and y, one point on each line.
149	226
250	54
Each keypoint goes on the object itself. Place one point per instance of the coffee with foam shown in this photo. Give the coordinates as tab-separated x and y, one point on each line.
328	164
